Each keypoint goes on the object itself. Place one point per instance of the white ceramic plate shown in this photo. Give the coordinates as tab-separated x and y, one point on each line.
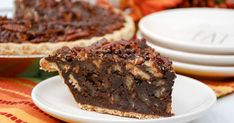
201	30
195	58
191	99
204	71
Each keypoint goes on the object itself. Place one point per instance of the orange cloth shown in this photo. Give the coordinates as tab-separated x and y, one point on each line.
16	105
221	87
140	8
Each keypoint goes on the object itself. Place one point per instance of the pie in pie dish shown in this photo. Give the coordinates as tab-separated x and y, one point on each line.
40	26
124	78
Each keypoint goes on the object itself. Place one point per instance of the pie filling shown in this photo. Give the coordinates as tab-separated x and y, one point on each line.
127	76
39	21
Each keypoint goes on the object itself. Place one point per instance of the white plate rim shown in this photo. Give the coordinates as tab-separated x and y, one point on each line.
222	71
166	41
206	59
61	114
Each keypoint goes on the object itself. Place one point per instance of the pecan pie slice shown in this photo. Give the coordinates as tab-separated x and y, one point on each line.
40	26
124	78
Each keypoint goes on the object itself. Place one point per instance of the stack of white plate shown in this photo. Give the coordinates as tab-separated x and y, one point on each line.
200	41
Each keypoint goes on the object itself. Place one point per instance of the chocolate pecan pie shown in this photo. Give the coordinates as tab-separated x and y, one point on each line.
124	78
40	26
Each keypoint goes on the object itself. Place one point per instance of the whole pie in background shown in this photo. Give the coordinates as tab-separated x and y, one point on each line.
40	26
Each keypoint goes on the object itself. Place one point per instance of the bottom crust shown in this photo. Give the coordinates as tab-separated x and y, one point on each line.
116	112
48	66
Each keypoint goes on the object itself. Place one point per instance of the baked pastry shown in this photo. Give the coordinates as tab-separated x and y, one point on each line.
124	78
40	26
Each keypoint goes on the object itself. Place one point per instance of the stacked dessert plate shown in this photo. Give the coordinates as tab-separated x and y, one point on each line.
198	40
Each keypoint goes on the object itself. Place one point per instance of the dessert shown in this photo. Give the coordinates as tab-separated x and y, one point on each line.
124	78
40	26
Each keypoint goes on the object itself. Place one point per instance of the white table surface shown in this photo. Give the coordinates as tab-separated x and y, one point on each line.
222	112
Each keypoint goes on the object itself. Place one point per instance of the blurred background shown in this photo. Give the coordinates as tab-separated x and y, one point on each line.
139	8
